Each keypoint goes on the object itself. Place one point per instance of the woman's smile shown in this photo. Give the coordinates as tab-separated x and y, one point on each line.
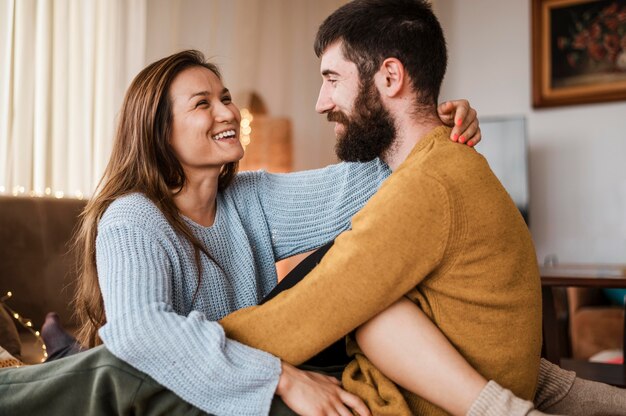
225	135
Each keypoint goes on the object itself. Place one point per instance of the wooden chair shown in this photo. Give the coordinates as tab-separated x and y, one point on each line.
556	340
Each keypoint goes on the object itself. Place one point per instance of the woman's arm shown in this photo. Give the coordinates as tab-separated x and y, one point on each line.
304	210
189	355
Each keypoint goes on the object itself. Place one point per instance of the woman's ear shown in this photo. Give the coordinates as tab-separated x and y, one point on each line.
390	77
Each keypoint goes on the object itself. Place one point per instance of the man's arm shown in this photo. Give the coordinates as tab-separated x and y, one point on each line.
396	240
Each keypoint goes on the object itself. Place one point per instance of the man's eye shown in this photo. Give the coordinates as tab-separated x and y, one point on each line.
227	100
202	103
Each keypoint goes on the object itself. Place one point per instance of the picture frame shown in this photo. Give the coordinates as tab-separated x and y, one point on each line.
578	51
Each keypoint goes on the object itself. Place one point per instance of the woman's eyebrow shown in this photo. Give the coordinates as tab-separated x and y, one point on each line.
205	93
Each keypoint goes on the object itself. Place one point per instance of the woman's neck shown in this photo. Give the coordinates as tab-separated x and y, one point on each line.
197	199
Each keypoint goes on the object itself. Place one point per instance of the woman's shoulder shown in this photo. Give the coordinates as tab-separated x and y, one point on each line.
245	179
133	209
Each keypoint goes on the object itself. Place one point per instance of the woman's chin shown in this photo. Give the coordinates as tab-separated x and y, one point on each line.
236	156
232	148
240	156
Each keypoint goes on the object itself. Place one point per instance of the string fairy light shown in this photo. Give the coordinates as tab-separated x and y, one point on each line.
246	127
19	190
24	322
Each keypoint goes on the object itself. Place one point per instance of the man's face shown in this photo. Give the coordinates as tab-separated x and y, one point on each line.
363	126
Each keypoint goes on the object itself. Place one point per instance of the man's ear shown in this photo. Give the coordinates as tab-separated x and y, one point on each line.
390	78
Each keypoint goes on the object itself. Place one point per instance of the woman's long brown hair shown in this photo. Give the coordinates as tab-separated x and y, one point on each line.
141	161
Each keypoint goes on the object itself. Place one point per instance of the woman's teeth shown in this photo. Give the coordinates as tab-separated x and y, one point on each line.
224	135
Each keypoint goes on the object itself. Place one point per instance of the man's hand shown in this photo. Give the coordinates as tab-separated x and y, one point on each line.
308	393
462	118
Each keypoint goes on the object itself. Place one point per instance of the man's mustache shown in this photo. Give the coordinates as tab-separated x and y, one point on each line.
337	116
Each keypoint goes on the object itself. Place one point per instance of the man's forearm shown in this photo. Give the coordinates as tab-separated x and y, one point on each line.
366	270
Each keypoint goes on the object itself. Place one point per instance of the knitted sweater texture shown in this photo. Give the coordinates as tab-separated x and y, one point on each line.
157	322
442	231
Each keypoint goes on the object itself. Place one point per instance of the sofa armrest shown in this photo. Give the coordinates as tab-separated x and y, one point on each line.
35	259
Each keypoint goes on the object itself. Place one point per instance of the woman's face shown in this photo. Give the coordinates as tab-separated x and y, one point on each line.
205	122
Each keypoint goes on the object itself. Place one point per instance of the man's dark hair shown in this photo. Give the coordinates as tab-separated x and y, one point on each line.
373	30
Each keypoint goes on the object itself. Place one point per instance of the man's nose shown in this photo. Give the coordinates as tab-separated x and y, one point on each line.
324	103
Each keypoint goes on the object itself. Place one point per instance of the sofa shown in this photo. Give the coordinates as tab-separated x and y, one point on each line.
36	264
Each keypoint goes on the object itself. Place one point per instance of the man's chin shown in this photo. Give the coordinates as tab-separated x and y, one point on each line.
340	130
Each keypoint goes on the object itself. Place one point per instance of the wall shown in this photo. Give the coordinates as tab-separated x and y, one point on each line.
261	45
577	153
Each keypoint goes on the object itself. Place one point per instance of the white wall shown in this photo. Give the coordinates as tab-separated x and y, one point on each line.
261	45
577	153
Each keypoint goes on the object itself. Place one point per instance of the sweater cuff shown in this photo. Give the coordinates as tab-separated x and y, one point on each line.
495	400
553	385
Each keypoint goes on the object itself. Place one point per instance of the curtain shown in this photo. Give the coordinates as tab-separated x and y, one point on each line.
65	66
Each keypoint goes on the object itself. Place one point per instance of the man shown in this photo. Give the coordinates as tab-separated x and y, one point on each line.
382	63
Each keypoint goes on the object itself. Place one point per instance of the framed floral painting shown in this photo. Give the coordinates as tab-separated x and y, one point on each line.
579	51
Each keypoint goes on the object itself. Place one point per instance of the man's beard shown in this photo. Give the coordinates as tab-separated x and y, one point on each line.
369	133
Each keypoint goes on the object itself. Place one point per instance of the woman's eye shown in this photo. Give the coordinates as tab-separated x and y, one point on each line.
227	100
202	103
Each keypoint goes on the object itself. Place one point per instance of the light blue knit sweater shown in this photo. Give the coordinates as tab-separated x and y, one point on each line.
148	278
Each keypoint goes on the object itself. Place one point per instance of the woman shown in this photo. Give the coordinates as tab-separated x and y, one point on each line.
174	241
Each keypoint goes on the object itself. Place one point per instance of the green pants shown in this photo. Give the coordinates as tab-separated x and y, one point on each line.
95	383
90	383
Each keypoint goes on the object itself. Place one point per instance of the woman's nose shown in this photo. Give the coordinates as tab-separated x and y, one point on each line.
223	113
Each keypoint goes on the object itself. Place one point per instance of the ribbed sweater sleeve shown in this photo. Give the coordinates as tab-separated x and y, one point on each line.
305	210
187	354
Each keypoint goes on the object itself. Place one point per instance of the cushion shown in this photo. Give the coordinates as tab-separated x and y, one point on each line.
7	360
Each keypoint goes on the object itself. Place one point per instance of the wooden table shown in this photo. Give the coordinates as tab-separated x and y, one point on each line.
555	336
584	275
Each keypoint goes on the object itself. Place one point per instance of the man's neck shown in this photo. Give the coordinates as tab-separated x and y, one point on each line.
409	133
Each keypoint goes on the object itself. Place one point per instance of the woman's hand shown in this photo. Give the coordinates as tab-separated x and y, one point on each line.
309	393
462	118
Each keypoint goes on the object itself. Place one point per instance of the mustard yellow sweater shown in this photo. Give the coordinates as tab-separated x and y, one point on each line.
442	231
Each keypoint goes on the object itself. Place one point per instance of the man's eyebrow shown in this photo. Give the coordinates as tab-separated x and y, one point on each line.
328	72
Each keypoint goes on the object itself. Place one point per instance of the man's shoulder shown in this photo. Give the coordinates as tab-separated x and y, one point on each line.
446	161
